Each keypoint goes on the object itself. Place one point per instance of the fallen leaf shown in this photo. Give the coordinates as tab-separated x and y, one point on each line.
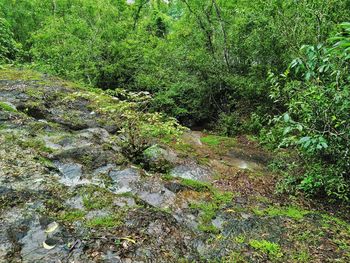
129	239
46	246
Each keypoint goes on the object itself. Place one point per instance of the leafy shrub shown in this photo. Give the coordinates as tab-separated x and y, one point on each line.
197	61
315	92
8	46
229	124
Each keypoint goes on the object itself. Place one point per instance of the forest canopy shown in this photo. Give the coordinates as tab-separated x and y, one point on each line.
276	69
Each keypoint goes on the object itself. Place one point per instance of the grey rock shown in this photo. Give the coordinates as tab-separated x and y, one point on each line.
155	194
75	202
110	257
175	187
191	171
187	219
124	201
70	170
71	174
96	214
157	155
104	169
123	180
218	222
33	241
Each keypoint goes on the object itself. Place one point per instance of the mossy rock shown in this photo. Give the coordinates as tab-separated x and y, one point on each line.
157	158
6	106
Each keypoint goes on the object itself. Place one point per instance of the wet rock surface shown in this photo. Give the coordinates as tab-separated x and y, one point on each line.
192	171
69	192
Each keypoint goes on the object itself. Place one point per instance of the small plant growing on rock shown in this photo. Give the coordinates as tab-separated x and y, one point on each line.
272	249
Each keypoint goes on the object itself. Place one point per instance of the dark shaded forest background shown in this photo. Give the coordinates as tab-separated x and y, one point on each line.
278	70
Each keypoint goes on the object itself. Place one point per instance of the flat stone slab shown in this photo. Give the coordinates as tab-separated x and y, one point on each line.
192	171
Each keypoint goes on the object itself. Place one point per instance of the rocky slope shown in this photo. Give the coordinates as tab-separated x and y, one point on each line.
89	177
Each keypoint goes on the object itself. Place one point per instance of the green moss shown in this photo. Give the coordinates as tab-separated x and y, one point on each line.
331	220
87	160
183	147
36	127
270	248
262	199
211	140
258	211
127	194
196	185
239	239
105	222
302	257
208	228
45	162
6	107
221	198
55	205
152	152
107	180
235	257
167	177
72	216
166	210
96	198
214	140
291	212
36	144
209	209
15	74
35	93
3	126
155	158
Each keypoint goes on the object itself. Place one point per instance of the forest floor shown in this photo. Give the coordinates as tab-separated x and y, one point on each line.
68	193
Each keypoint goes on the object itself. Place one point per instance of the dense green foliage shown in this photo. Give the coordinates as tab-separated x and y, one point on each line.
208	62
8	46
315	91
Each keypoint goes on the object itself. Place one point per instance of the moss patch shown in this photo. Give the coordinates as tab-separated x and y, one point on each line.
6	107
105	222
15	74
96	198
72	216
272	249
196	185
291	212
214	140
35	144
208	209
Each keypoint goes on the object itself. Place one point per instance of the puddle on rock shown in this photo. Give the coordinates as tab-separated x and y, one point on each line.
245	164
